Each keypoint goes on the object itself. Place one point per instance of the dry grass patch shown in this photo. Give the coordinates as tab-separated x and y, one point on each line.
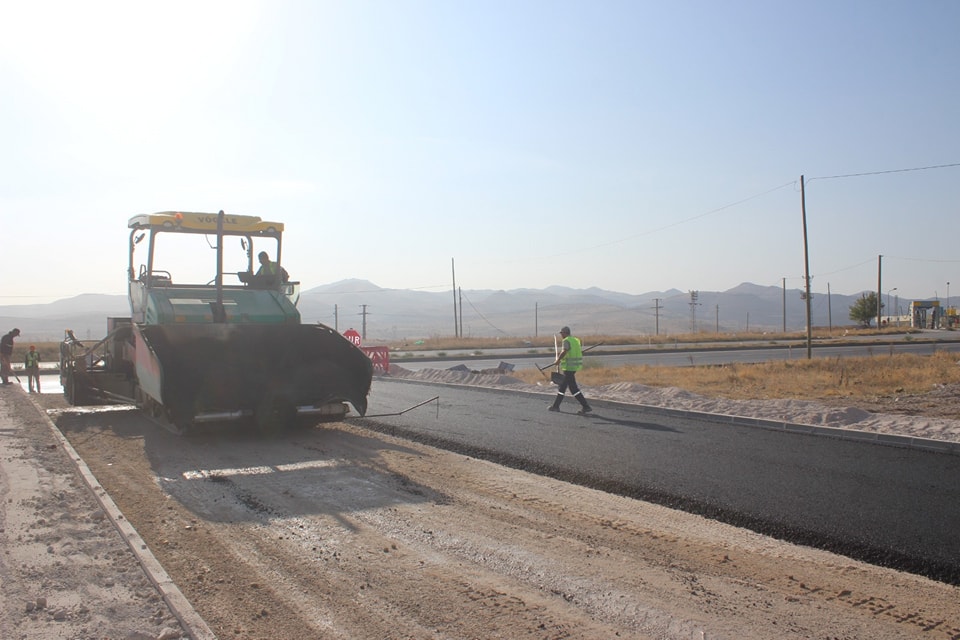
863	377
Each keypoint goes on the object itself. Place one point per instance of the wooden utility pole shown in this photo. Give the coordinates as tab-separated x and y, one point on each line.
829	310
656	307
453	271
784	305
879	289
806	269
694	295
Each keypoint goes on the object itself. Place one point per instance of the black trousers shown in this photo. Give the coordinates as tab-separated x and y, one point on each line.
569	382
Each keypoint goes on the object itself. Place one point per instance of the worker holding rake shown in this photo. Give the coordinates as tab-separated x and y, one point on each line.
6	353
570	360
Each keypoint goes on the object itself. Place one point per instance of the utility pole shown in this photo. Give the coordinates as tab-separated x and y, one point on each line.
363	328
656	307
829	310
879	289
718	318
336	319
784	305
460	290
693	311
536	319
806	269
453	271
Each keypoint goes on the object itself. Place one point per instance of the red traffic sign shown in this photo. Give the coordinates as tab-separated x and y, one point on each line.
353	336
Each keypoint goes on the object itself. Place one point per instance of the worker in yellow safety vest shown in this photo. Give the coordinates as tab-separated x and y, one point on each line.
570	361
267	268
270	272
31	364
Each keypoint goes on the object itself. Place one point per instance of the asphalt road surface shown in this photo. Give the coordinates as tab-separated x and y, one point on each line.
888	505
678	357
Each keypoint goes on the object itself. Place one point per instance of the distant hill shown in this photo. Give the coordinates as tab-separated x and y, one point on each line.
396	314
85	314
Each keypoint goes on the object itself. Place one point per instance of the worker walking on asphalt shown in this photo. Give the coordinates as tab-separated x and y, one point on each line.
6	353
570	361
31	363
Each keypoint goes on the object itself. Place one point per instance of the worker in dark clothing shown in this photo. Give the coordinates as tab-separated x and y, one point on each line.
6	353
570	361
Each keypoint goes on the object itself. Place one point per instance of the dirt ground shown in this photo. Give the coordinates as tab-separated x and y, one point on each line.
64	570
339	532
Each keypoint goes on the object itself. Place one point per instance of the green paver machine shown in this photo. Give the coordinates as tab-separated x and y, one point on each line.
199	349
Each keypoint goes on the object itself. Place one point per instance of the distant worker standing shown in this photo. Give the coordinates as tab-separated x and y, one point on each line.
6	353
570	361
31	363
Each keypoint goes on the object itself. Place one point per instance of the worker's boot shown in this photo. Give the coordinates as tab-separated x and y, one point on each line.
585	407
556	403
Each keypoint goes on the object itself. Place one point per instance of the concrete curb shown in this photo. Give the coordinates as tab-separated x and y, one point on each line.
191	622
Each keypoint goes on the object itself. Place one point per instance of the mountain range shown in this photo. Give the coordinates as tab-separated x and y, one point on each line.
397	314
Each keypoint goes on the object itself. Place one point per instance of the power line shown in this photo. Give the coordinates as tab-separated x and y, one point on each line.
696	217
877	173
482	317
920	259
677	223
854	266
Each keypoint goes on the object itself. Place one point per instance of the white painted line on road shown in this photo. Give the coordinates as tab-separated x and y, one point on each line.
202	474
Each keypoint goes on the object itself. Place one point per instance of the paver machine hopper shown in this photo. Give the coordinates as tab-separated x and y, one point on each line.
207	344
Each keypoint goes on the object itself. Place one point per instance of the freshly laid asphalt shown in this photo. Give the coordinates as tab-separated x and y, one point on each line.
894	503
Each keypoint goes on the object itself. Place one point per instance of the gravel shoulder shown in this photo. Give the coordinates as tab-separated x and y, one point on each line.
338	532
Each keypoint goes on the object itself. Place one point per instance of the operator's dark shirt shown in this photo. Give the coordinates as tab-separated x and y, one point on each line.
6	344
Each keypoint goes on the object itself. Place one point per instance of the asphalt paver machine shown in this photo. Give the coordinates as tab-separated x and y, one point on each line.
204	344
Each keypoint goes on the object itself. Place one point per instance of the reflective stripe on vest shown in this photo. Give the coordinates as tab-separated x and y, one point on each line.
573	361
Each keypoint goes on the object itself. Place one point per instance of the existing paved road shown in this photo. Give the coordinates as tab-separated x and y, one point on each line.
682	356
887	505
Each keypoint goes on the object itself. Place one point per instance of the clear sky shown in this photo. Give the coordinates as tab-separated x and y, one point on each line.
634	146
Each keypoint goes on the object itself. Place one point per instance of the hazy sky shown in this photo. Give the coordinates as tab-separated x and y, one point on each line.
633	146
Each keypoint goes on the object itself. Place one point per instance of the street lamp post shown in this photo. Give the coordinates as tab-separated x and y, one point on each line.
888	300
